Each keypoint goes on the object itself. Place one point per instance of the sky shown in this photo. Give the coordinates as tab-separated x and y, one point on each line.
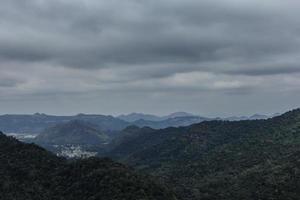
208	57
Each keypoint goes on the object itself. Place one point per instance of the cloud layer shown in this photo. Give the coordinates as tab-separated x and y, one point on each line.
66	56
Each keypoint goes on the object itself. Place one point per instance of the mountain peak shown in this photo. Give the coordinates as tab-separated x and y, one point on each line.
72	132
178	114
137	116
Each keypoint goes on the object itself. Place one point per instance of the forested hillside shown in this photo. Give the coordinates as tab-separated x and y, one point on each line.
39	122
257	159
73	132
29	172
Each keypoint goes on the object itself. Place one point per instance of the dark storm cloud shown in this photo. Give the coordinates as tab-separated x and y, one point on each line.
98	34
225	46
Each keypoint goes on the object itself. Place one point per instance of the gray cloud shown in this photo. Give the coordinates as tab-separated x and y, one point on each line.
228	48
6	82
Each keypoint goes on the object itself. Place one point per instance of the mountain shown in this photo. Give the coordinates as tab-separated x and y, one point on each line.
133	139
252	117
235	118
128	134
250	159
178	114
258	116
30	172
178	119
73	139
38	122
104	122
35	124
170	122
138	116
147	117
72	132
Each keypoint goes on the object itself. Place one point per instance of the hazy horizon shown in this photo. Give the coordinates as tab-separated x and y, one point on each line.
154	114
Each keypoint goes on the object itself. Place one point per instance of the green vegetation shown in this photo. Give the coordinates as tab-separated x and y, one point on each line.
257	159
73	132
29	172
213	160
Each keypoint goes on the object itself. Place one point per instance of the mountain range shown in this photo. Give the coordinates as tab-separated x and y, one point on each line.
132	117
37	123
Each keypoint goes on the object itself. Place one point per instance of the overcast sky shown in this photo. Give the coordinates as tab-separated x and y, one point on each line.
208	57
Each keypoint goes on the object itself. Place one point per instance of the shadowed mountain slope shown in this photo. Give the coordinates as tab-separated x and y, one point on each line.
30	172
171	122
251	159
73	132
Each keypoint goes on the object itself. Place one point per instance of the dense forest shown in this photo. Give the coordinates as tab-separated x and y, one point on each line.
72	132
29	172
251	159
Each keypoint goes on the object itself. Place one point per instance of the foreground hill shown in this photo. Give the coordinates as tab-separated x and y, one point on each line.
257	159
30	172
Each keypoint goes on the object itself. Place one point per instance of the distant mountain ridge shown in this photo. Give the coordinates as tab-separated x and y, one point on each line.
137	116
180	119
252	117
36	123
171	122
132	117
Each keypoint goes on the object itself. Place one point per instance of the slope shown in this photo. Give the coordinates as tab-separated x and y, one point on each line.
257	159
30	172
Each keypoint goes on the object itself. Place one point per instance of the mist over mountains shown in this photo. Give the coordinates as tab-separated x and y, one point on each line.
36	123
148	117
